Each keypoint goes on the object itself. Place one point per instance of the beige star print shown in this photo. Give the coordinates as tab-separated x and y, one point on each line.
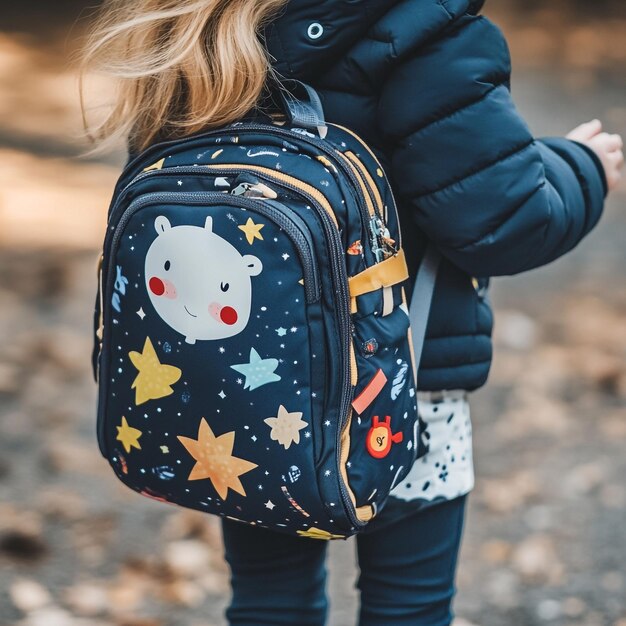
286	427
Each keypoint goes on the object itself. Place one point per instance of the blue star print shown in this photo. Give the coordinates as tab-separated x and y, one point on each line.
258	371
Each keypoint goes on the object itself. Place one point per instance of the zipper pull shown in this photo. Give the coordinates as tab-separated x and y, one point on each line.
383	246
254	190
379	253
374	231
388	244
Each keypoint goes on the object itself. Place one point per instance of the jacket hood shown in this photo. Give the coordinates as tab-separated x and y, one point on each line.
310	34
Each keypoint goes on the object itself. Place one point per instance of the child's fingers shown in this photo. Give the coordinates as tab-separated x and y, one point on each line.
613	163
593	127
619	142
606	143
613	142
616	179
586	131
608	147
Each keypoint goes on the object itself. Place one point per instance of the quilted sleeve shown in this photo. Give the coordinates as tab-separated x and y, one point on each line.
491	197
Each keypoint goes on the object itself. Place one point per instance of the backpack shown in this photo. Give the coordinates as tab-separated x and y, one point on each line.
253	348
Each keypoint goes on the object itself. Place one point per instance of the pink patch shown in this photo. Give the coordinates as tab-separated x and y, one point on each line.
214	310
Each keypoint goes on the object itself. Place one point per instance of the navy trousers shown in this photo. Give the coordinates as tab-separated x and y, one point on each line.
407	572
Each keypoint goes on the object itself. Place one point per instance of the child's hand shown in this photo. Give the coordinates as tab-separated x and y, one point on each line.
607	147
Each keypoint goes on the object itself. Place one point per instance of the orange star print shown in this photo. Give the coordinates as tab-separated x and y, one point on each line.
214	460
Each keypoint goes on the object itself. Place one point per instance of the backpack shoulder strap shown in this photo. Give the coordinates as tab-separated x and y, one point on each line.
421	300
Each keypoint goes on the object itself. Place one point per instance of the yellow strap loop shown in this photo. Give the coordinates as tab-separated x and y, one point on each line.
387	273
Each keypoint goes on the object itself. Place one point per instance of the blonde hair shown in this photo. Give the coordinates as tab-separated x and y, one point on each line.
180	65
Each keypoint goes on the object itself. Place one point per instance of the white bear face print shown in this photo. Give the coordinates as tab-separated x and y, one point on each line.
199	284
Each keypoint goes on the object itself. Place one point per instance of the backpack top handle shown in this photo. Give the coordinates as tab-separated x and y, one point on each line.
301	104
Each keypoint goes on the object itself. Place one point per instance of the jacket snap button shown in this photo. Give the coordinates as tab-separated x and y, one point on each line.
315	30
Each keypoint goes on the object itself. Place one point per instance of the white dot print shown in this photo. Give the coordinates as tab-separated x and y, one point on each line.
446	471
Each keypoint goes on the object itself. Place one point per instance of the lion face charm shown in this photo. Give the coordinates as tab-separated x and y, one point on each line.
380	438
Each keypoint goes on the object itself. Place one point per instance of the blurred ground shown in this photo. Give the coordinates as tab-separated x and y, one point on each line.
546	531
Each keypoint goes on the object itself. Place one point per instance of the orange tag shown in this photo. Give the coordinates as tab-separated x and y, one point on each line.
371	391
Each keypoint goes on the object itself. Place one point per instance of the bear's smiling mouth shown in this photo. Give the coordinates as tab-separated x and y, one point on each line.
188	311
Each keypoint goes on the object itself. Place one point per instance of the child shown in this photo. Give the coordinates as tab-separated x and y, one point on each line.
426	84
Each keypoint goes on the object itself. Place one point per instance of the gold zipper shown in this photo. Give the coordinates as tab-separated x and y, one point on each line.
364	513
370	182
369	150
319	197
371	208
380	173
366	174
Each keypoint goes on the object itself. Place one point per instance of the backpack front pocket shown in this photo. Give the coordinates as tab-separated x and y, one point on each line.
384	428
208	397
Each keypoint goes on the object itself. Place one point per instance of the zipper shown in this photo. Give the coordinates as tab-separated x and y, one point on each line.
228	169
372	209
278	178
293	225
297	235
382	244
340	277
281	181
381	173
271	130
375	223
373	189
380	240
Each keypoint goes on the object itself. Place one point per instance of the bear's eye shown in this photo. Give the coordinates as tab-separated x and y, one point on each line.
167	266
224	287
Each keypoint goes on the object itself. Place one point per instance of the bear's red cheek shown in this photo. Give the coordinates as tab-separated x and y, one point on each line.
228	315
157	286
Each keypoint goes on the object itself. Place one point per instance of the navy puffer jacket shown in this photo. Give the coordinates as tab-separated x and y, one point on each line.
426	83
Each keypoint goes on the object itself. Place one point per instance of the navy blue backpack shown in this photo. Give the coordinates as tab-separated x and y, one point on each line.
253	346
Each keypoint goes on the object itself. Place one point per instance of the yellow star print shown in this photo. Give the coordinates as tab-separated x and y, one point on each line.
214	460
157	166
128	435
252	231
317	533
154	379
